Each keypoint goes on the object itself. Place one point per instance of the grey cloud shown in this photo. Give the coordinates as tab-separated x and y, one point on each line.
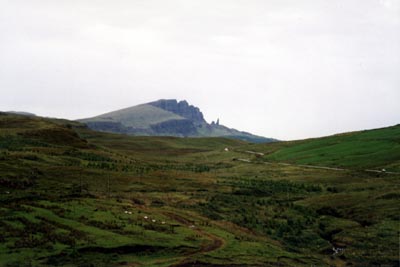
287	69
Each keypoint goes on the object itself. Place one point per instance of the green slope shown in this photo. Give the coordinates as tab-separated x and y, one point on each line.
379	148
141	116
65	192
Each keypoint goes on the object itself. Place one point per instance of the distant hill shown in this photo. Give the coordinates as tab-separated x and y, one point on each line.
21	113
166	118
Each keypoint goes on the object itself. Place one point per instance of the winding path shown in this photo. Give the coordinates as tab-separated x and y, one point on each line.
216	242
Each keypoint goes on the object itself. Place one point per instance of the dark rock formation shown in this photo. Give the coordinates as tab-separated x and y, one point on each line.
181	108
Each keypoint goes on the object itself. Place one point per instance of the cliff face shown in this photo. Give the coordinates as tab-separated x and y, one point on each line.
181	108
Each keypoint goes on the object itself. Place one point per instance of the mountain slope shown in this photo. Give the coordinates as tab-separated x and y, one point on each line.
137	119
165	118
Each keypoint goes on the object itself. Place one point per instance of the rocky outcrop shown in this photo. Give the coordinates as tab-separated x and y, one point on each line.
182	108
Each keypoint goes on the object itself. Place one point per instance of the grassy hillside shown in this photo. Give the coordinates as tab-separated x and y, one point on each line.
371	149
73	197
141	116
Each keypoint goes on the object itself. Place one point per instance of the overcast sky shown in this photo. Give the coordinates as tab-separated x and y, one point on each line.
287	69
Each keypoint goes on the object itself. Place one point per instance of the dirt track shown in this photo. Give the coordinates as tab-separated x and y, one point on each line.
216	242
315	166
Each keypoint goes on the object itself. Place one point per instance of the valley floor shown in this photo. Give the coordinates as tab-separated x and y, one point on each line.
110	200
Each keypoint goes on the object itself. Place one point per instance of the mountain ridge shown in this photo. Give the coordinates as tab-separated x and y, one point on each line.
166	117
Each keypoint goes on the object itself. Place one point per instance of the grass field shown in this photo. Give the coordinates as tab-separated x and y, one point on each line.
73	197
375	149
